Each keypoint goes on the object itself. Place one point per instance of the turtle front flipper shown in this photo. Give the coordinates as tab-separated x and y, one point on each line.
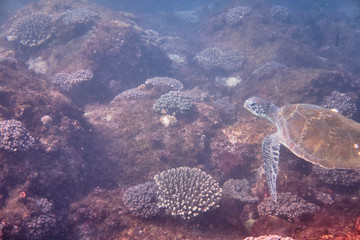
270	155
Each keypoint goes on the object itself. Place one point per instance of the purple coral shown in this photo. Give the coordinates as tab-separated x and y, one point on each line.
40	226
236	15
31	30
211	58
14	137
141	200
44	221
341	102
340	177
77	16
133	93
208	58
171	83
174	102
41	205
288	205
68	81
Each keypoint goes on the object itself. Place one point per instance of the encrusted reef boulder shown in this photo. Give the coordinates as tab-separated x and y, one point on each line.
85	36
139	142
41	139
288	205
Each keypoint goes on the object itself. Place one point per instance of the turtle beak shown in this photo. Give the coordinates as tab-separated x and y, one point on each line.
250	104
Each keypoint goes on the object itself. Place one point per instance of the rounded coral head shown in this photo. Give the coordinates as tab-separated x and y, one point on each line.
258	106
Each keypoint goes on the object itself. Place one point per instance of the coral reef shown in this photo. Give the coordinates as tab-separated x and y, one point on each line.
188	16
239	189
171	83
235	15
228	161
91	146
148	146
208	58
14	137
141	200
122	54
324	197
340	177
174	102
31	30
212	58
152	37
231	60
44	220
40	205
133	93
68	81
231	152
341	102
187	192
288	205
268	70
99	215
74	22
269	237
77	16
39	226
280	12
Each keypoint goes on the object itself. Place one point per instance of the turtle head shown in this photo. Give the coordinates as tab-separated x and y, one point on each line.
261	108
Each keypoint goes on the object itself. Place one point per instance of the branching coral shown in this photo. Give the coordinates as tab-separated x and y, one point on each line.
31	30
14	137
187	192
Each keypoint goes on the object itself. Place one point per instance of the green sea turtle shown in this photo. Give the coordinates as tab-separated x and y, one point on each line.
318	135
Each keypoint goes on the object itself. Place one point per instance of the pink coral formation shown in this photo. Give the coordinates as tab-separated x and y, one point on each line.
79	83
142	200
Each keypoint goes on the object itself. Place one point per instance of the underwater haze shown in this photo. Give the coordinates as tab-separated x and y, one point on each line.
223	119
